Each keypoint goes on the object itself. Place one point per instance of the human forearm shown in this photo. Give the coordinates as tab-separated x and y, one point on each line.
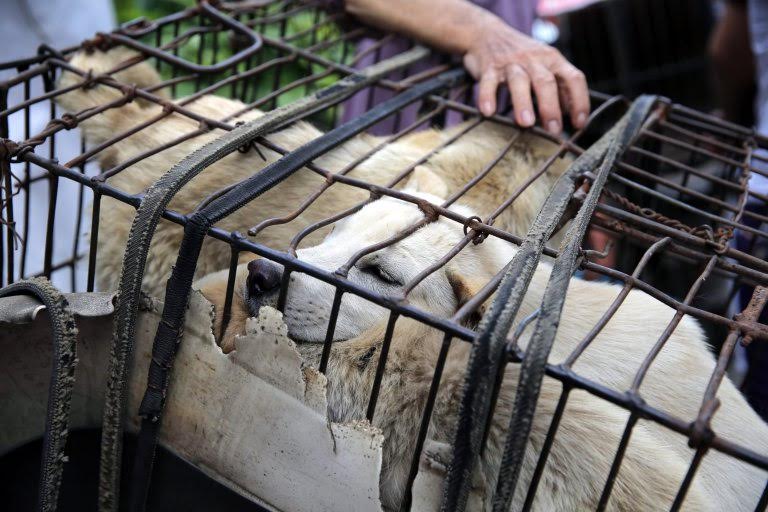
493	52
453	25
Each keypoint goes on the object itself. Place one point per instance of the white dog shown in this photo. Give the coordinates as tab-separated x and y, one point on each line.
657	458
583	451
456	164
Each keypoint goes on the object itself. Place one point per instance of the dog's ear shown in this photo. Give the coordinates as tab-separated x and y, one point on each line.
464	288
424	180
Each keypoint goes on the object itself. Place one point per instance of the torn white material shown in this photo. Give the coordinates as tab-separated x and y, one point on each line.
244	417
254	419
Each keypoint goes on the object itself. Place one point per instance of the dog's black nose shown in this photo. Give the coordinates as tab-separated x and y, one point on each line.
263	276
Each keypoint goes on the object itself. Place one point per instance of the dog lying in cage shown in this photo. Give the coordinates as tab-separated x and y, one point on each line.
455	165
656	458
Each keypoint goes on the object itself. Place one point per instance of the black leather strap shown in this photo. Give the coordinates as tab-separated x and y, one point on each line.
156	199
169	331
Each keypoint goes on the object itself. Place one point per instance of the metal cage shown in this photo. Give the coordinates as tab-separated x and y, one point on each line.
677	196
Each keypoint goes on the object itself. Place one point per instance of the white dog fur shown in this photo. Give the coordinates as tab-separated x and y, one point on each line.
455	165
583	451
657	458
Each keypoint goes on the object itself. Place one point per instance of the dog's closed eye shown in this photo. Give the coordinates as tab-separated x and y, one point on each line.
379	273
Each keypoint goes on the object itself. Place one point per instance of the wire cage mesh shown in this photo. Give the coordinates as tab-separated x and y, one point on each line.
677	202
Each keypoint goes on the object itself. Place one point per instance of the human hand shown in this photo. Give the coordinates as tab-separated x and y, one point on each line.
501	54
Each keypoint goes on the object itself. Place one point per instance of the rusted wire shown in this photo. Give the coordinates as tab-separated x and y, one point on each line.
719	238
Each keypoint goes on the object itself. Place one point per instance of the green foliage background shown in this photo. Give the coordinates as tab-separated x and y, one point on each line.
264	83
128	10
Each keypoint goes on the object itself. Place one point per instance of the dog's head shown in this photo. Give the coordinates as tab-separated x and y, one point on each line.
385	271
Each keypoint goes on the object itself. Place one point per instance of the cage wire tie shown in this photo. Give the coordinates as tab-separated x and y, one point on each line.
428	209
513	341
45	49
8	149
250	145
375	193
701	432
14	151
475	223
586	254
129	93
98	42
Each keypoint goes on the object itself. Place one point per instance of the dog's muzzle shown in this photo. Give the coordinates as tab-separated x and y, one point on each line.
263	284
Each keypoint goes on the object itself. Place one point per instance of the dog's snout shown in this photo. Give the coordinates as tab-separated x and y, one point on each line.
263	276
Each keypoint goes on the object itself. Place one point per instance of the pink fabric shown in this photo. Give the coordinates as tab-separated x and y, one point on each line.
558	7
517	13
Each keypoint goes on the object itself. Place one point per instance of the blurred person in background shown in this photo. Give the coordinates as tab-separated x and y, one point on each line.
24	26
739	51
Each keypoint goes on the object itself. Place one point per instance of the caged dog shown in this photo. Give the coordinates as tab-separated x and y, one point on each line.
656	458
455	165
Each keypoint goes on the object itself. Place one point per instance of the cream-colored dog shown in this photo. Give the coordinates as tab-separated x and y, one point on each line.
657	458
455	166
583	451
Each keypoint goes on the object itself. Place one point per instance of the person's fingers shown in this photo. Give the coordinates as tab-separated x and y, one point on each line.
472	64
486	96
519	84
574	85
547	97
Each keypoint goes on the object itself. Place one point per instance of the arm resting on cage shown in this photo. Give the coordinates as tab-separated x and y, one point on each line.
493	53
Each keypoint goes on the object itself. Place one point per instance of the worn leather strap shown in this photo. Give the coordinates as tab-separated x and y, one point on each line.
488	351
61	384
536	355
169	331
156	199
